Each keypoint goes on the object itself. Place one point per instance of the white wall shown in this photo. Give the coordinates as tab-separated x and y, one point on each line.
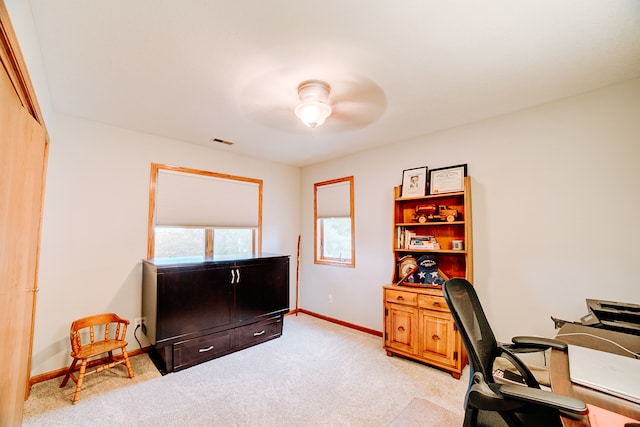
555	212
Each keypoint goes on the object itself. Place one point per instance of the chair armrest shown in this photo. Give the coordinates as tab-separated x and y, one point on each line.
537	342
522	369
484	396
511	397
119	319
565	404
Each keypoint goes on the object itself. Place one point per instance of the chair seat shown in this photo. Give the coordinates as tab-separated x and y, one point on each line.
114	330
99	347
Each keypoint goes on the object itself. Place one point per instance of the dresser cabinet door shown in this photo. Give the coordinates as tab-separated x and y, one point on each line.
192	300
262	289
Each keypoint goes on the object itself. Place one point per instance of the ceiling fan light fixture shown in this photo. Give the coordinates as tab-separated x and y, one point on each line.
313	114
313	109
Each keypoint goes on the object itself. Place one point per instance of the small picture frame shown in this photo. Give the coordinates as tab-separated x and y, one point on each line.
414	182
447	180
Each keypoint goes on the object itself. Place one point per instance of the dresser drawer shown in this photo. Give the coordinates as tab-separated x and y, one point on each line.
198	350
401	297
256	333
432	302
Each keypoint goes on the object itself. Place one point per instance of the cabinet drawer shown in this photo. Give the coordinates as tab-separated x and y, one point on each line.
401	297
197	350
256	333
432	302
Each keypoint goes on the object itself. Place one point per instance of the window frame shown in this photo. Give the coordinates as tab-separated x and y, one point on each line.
318	234
156	167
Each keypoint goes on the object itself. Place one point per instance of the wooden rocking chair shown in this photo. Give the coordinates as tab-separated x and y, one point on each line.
115	330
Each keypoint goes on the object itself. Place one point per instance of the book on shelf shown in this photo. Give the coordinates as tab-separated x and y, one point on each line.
404	237
424	242
407	239
400	235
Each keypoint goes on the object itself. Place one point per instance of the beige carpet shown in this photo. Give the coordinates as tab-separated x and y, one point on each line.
48	396
421	412
316	374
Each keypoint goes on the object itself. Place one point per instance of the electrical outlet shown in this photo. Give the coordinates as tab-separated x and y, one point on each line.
330	299
138	321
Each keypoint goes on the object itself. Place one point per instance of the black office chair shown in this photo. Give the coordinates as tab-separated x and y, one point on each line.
489	403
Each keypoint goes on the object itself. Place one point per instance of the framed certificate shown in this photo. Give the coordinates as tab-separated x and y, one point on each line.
414	182
447	180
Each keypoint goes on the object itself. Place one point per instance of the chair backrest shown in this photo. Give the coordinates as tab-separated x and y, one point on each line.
477	336
109	325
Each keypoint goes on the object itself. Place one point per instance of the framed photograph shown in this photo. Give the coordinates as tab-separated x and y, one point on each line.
447	180
414	182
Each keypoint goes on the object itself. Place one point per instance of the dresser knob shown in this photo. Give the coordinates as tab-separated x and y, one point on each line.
435	337
401	328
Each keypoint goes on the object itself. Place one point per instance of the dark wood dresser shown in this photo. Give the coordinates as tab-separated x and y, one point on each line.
197	309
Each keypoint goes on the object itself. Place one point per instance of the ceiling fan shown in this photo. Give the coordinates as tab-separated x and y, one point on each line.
354	102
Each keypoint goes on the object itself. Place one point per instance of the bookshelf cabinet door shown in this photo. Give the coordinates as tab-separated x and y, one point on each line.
402	328
437	337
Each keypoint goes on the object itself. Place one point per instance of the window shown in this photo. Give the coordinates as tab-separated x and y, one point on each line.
334	222
336	237
176	241
231	241
200	213
190	242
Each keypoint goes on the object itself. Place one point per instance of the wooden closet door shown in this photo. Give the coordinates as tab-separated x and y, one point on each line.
23	149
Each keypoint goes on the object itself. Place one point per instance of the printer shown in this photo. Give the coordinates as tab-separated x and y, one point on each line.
612	315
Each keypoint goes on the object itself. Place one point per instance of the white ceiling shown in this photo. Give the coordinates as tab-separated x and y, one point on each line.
229	69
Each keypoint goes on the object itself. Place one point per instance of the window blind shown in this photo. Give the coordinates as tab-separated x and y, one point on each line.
187	199
333	200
